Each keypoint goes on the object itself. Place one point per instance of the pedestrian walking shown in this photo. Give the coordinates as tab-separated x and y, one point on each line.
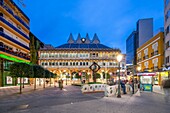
60	84
166	89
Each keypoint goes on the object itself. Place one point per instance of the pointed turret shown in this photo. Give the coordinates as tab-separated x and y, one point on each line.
70	39
87	39
95	39
78	39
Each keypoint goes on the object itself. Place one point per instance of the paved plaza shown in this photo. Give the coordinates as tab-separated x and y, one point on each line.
71	100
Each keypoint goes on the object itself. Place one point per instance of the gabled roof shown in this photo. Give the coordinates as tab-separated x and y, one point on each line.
80	44
78	39
87	39
95	39
71	39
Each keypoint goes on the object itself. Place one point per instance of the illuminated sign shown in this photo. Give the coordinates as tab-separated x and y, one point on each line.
166	69
12	58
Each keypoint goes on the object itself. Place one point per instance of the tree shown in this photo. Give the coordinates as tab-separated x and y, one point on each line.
38	72
46	75
20	70
77	76
98	75
35	45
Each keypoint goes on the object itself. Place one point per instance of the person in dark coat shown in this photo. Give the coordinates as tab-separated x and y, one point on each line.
123	87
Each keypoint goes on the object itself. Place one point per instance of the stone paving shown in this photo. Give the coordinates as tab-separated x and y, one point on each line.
12	90
71	100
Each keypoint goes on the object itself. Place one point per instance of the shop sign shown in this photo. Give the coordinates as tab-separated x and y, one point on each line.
146	74
166	69
25	80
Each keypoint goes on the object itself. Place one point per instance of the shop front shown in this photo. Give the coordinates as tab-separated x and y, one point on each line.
146	81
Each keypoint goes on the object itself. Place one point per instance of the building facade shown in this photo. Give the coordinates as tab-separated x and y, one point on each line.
131	47
150	57
144	30
76	56
167	32
14	39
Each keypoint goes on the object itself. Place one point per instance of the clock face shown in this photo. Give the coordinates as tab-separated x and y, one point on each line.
83	40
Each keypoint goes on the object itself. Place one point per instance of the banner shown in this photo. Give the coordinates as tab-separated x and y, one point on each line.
8	80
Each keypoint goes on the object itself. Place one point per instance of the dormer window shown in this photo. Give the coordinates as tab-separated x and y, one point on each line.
83	40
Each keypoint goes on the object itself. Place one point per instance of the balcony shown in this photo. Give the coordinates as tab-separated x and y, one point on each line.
145	57
15	53
155	68
13	40
77	58
146	69
154	53
139	60
13	27
16	17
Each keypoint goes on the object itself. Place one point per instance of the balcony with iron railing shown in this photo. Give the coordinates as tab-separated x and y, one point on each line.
75	66
13	27
15	53
146	69
154	53
15	16
145	57
155	68
77	58
139	60
13	40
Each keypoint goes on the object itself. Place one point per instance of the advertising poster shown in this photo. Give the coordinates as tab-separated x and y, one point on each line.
8	79
25	80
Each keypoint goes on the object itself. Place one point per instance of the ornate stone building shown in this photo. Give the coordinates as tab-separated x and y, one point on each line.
76	56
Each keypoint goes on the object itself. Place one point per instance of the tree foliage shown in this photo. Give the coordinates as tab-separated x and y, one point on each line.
98	75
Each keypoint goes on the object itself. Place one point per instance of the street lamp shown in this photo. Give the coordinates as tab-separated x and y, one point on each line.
119	58
138	68
66	77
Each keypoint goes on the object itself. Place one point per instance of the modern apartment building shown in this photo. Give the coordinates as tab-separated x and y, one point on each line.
76	56
167	32
150	57
144	30
131	47
14	39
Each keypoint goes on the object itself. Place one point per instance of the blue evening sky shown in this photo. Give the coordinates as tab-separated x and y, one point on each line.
113	20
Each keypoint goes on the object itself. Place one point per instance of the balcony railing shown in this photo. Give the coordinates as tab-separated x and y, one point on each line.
15	53
139	60
13	27
77	58
74	66
16	17
145	57
146	69
13	40
154	53
155	68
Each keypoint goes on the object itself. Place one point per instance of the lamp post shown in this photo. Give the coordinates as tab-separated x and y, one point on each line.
135	68
119	58
66	78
